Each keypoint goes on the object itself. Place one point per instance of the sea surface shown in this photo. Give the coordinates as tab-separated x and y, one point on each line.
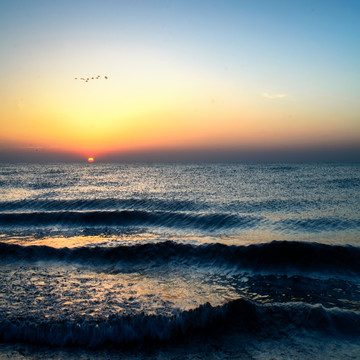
180	261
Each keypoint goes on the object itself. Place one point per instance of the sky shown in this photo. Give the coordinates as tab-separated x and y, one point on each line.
186	80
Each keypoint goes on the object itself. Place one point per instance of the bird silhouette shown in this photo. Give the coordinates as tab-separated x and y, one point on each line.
91	78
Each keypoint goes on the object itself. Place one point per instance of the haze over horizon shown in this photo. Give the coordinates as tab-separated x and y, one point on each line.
186	81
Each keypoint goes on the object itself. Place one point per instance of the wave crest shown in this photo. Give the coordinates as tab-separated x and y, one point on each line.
202	221
240	315
282	255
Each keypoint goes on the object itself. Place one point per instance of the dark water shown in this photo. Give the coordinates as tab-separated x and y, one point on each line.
180	261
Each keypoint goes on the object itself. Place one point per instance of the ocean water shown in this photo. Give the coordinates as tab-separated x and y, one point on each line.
180	261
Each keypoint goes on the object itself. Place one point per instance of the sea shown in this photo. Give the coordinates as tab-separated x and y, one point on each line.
180	261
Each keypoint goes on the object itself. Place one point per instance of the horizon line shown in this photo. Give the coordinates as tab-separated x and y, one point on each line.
344	153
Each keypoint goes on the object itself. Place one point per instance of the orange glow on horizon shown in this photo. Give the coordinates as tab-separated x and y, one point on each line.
110	92
90	159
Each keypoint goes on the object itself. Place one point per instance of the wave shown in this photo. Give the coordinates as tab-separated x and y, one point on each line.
281	255
318	224
272	205
140	329
259	206
101	204
202	221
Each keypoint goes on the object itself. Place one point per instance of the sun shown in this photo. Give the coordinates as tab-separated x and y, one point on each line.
90	159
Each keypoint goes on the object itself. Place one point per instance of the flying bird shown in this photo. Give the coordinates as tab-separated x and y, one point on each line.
91	78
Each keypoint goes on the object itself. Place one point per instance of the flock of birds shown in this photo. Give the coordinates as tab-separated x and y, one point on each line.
91	78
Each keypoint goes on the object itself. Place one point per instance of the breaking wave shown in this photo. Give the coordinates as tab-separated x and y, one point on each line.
280	255
140	329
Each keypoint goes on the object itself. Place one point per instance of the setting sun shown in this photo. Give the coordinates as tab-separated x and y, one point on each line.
90	159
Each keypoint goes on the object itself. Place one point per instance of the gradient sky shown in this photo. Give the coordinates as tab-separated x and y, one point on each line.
184	76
